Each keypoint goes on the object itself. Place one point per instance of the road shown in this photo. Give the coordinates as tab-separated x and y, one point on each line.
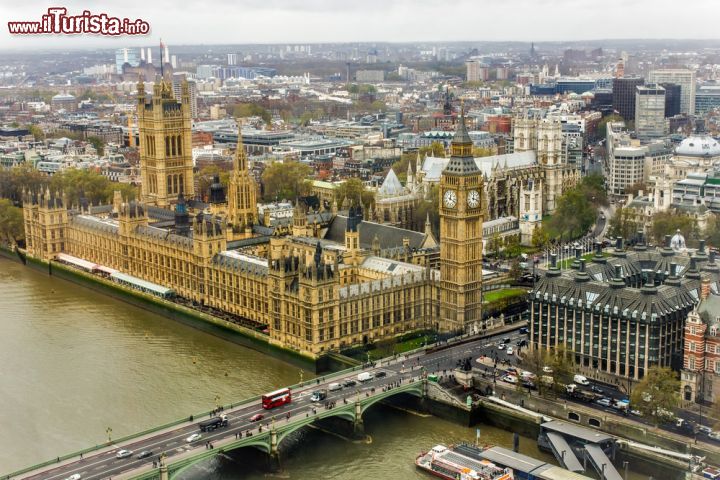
104	464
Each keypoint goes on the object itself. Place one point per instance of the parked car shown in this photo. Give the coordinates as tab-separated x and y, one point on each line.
547	369
144	454
510	350
124	454
509	379
257	417
637	413
193	438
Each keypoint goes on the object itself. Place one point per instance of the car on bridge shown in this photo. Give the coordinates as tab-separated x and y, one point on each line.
144	454
349	383
193	438
124	454
380	374
74	476
257	417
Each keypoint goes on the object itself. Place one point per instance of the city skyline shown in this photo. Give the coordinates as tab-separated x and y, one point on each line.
321	21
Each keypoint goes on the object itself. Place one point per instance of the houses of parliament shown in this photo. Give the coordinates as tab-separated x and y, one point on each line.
333	281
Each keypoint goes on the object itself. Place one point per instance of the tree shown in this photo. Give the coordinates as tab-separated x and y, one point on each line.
622	224
495	244
429	208
667	223
12	229
636	188
533	360
482	152
512	247
515	270
562	361
251	110
657	394
602	125
577	208
539	237
205	179
712	231
98	144
36	132
288	180
354	189
435	149
22	177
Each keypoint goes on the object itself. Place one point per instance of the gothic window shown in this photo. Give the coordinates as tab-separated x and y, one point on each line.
182	184
167	146
169	184
179	145
691	346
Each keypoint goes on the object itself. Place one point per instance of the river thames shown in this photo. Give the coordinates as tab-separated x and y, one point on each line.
75	363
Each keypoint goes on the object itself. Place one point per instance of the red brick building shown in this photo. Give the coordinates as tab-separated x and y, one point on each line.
700	376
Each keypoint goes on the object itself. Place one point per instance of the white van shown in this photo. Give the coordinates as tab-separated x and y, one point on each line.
364	376
333	387
581	379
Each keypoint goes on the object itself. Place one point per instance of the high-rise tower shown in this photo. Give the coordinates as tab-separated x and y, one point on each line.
166	164
461	224
242	194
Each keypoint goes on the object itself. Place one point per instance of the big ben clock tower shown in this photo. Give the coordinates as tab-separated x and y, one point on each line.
461	224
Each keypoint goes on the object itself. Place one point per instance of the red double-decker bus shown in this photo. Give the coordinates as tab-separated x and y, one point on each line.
276	398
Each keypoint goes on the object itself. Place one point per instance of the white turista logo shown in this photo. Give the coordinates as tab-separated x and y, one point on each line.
450	199
473	199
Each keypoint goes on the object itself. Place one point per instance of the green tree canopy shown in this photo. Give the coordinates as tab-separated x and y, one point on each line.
251	110
622	224
288	181
577	208
205	179
24	176
97	189
667	223
98	144
657	394
354	190
11	222
712	231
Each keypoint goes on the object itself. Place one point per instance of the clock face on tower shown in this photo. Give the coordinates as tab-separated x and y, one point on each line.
450	198
473	199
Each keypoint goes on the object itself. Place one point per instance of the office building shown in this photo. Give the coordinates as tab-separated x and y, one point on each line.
476	71
649	111
623	314
624	96
672	99
178	79
707	99
232	59
679	76
370	76
123	56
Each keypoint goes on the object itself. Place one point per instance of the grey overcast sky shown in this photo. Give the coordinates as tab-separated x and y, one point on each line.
312	21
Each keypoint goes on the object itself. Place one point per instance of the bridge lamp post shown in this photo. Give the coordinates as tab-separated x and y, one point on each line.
217	401
109	434
301	376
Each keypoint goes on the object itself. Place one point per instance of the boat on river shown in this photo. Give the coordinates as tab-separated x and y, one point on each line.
445	463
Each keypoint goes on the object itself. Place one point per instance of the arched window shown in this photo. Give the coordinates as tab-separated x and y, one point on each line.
179	144
167	146
169	183
688	393
173	142
181	184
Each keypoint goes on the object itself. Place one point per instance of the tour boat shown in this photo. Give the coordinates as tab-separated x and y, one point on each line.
444	463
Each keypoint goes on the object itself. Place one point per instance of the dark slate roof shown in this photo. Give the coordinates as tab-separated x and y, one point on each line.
388	236
709	309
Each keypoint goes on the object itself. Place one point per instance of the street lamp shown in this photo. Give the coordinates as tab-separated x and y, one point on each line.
109	434
301	376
